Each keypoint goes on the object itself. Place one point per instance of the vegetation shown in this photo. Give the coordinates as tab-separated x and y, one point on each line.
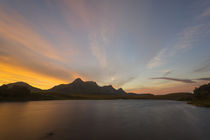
174	96
15	91
23	92
20	93
201	96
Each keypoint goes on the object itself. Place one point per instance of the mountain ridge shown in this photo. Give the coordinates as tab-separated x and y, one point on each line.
78	86
24	84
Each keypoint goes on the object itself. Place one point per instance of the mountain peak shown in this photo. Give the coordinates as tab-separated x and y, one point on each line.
20	83
78	86
120	90
24	84
78	80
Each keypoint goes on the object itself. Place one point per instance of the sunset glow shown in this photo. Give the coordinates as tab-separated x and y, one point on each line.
139	45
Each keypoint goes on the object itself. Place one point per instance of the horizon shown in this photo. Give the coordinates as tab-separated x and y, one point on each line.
97	84
140	46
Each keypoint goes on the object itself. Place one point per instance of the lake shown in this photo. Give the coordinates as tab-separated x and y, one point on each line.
103	120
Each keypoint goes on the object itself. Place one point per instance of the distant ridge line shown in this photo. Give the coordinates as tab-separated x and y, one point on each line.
78	86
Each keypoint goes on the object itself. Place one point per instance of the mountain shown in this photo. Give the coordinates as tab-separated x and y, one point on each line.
76	87
140	94
31	88
89	87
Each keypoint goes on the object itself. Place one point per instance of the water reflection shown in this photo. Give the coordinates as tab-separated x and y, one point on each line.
109	119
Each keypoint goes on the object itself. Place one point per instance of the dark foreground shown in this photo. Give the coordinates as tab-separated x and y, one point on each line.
80	90
103	119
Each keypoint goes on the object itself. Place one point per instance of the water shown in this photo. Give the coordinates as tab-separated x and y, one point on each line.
103	120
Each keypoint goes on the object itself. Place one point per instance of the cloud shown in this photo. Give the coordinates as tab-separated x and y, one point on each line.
175	79
157	60
25	49
124	81
167	72
99	52
89	23
204	79
206	12
20	57
188	36
174	88
185	40
16	28
181	80
204	67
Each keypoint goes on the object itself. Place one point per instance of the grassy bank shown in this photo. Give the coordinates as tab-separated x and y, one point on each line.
200	102
59	96
188	97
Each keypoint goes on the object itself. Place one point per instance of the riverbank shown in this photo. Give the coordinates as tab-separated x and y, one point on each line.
187	97
201	103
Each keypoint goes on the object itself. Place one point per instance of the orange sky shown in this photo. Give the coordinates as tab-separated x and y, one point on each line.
135	45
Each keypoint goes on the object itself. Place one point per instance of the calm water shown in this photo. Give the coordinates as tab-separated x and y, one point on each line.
103	120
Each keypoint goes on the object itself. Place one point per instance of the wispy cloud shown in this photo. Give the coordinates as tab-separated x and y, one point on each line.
204	79
206	12
99	41
175	79
99	52
189	36
185	40
124	81
181	80
203	67
16	28
25	49
27	60
106	41
157	60
96	28
173	88
167	72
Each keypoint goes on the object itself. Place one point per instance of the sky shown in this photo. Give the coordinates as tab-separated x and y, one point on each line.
143	46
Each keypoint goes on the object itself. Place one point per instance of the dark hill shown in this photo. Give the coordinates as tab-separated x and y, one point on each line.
89	87
23	84
181	96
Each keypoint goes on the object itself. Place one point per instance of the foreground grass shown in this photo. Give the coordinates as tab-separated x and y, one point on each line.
58	96
30	97
174	96
199	102
202	103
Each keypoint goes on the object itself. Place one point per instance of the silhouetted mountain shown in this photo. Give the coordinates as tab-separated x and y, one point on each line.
89	87
76	87
121	91
23	84
141	94
20	92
